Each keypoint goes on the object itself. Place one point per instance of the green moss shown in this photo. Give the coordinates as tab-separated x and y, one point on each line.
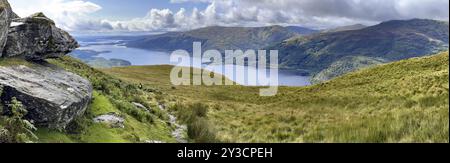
111	95
50	136
14	62
100	105
102	133
134	131
39	14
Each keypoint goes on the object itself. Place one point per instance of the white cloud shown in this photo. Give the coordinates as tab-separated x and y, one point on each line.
183	1
154	20
67	14
73	14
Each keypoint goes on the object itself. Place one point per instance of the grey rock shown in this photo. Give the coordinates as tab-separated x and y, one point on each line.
154	142
36	38
52	96
162	107
6	15
14	15
140	106
112	119
178	132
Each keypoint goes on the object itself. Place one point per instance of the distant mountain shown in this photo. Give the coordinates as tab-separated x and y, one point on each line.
388	41
91	58
345	28
302	30
216	37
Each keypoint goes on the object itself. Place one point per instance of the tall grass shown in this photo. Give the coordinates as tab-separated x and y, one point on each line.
195	116
405	101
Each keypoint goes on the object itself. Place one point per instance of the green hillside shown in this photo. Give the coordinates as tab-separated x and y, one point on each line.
405	101
215	37
390	41
344	66
345	28
111	95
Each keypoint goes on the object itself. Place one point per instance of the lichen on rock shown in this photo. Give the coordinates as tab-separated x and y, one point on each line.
52	96
6	15
37	38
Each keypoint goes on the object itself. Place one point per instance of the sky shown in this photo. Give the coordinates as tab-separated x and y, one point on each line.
85	16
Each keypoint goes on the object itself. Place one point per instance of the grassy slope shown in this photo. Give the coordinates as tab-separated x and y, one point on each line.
111	95
405	101
344	66
134	131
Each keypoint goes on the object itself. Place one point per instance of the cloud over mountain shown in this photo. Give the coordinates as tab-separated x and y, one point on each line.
73	15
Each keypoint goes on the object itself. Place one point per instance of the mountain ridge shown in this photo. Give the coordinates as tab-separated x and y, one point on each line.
215	37
345	28
392	41
302	30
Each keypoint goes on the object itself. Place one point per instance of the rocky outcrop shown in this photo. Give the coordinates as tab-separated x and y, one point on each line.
36	37
52	96
140	106
154	142
6	15
112	119
14	16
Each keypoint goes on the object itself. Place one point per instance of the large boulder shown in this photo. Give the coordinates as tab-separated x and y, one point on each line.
36	38
6	15
52	96
14	16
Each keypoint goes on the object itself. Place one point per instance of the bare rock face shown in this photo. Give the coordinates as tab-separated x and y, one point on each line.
52	96
112	119
14	15
6	15
36	38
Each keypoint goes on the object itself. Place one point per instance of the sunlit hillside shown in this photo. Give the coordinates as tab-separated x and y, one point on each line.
406	101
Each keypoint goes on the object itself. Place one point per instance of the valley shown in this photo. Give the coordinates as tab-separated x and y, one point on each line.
405	101
69	77
357	98
111	49
321	54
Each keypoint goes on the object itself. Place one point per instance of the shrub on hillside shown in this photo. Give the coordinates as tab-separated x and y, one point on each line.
195	116
130	109
16	129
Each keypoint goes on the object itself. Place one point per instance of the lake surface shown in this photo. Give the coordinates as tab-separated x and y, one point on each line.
114	49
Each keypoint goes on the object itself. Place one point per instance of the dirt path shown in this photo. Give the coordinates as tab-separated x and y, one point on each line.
179	131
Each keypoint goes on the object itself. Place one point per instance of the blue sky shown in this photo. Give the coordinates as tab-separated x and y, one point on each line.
84	16
127	9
